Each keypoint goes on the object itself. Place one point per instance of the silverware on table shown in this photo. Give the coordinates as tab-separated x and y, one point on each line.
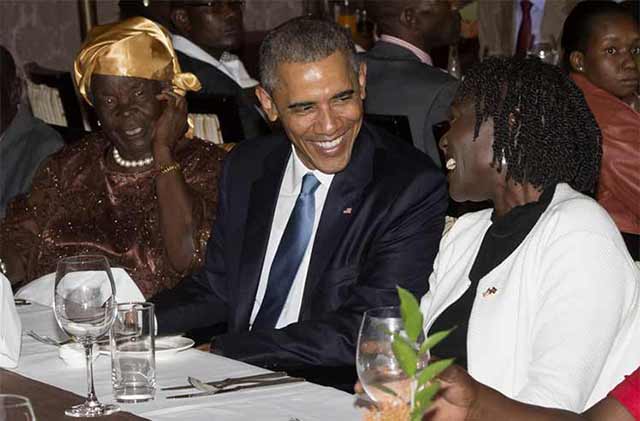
284	380
233	380
21	302
47	339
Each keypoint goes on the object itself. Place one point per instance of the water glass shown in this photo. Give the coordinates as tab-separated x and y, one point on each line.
378	369
133	356
15	408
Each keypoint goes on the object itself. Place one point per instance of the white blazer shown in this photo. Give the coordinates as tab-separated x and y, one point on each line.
556	323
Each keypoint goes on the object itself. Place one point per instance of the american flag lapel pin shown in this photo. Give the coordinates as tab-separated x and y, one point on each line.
489	291
347	211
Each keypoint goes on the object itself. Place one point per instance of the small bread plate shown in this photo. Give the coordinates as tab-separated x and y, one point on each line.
166	346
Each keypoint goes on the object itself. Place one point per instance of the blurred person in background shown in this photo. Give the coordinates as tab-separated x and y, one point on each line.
512	27
601	43
206	35
25	141
401	78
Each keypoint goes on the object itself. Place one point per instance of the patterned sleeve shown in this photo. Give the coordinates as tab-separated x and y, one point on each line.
201	172
628	394
25	219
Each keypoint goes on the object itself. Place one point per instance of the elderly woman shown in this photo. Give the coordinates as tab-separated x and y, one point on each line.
139	191
541	287
600	41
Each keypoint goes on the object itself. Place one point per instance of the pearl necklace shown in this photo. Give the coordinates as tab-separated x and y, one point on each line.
130	164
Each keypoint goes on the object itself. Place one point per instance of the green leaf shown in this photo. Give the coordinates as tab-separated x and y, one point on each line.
432	370
423	400
434	339
406	356
411	314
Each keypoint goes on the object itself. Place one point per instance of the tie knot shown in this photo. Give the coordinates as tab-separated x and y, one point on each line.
309	184
526	5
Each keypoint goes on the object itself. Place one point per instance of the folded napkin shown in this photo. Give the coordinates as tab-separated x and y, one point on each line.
10	326
74	356
41	290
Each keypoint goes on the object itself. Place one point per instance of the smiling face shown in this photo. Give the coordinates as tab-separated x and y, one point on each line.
128	109
474	177
320	107
608	62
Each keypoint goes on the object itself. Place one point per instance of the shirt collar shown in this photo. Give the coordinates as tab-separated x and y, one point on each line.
292	182
422	55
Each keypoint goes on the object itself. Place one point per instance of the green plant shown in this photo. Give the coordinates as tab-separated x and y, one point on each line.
410	353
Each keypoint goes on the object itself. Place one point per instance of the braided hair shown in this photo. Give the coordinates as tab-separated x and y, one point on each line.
543	127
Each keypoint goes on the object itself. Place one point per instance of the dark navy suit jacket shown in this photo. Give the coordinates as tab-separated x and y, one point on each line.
380	227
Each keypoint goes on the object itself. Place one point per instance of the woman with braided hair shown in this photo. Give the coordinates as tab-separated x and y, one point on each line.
541	288
601	44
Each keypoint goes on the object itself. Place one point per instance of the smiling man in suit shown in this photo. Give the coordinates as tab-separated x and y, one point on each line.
315	225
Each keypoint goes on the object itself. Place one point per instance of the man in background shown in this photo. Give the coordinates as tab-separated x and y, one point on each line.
401	78
206	34
513	27
25	141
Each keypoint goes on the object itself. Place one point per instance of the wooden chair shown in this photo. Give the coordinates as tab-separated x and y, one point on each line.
225	108
53	97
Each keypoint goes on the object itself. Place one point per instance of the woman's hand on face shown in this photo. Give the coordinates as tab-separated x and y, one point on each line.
172	124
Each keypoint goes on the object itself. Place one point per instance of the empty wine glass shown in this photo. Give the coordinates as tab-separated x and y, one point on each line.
85	308
16	408
378	369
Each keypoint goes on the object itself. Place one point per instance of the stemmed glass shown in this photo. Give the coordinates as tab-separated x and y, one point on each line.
16	408
378	369
85	308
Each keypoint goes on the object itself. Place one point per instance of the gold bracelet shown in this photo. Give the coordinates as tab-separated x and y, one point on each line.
169	167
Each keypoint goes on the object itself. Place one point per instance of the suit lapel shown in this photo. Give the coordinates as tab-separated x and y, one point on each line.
342	204
262	202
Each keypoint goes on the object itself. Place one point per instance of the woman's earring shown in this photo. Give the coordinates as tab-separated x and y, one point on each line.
99	124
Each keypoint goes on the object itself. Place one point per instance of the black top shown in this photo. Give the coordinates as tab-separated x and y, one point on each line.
501	239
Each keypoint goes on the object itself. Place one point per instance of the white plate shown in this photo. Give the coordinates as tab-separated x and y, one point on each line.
166	346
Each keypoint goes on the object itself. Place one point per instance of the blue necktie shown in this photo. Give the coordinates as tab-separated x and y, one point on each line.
289	255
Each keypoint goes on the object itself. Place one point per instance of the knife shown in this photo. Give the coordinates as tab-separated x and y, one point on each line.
231	380
241	387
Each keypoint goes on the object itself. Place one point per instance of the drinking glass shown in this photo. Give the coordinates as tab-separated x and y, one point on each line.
378	369
133	363
16	408
546	51
85	308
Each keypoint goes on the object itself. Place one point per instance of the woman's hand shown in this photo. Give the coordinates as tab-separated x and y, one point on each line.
457	395
172	124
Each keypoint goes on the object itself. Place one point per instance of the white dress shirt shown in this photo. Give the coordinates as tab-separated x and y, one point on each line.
537	14
228	64
289	191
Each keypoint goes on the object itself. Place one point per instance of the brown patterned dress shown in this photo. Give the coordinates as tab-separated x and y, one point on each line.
79	206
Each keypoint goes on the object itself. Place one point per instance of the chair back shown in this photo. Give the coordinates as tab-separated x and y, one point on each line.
52	96
220	115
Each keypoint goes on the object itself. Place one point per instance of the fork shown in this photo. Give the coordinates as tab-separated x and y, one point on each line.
231	380
47	339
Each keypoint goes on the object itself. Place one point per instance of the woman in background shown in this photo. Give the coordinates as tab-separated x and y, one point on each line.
601	44
139	191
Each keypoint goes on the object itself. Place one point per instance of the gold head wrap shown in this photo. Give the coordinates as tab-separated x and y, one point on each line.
136	47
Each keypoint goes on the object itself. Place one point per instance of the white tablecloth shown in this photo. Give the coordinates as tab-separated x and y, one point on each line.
301	401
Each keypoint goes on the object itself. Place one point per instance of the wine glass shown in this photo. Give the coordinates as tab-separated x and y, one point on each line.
546	51
378	369
16	408
85	308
